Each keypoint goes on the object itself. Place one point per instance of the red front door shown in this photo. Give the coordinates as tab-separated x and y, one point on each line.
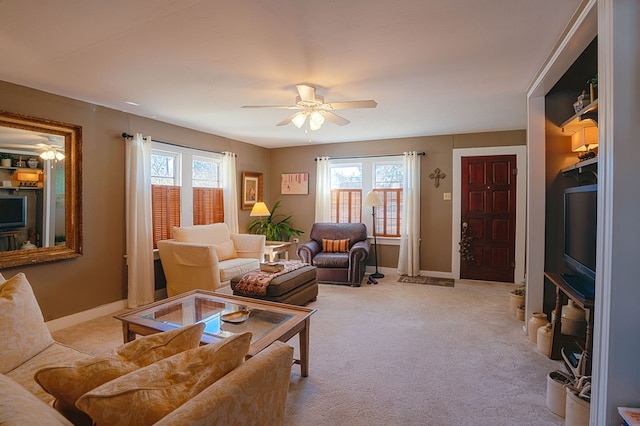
488	217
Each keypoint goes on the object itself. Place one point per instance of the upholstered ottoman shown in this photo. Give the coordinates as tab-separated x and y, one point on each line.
297	287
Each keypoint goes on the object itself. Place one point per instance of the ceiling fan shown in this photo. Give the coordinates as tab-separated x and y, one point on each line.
312	107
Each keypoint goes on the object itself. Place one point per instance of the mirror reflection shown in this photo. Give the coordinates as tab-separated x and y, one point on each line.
31	189
40	199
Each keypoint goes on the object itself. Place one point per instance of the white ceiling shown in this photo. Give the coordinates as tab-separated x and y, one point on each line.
434	67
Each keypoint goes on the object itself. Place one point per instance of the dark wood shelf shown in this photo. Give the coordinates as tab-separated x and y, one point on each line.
578	120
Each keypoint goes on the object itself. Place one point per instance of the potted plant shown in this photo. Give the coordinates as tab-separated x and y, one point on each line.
276	227
516	300
5	159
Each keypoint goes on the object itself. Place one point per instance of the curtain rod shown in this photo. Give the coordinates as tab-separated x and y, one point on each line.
368	156
128	136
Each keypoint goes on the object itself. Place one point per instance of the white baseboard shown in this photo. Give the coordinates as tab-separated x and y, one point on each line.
77	318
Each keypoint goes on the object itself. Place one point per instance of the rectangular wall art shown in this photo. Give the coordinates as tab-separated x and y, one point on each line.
251	189
294	183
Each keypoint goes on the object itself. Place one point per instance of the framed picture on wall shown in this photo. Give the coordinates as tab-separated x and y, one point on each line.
294	183
251	189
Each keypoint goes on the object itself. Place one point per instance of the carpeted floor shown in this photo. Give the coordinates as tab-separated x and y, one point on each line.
404	354
446	282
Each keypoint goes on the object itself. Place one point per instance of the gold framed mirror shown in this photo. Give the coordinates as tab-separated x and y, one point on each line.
42	186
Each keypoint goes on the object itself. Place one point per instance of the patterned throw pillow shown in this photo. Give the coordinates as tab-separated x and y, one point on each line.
150	393
68	383
18	406
23	332
226	250
335	246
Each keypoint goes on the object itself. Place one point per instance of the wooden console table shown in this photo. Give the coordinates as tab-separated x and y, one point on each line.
563	290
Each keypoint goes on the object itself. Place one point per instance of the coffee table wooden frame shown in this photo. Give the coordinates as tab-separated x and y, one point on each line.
133	324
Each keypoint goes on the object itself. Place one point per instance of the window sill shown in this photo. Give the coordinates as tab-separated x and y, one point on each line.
385	241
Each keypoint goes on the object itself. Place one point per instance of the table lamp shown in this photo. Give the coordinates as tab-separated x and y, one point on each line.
260	209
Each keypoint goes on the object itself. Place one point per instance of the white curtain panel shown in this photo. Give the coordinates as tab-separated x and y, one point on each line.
138	221
409	258
230	194
323	190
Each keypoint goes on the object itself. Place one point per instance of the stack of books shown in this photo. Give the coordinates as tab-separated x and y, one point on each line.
272	267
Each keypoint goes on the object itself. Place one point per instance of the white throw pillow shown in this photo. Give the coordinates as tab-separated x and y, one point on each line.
23	332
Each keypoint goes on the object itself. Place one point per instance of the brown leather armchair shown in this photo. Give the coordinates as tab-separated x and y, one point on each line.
337	268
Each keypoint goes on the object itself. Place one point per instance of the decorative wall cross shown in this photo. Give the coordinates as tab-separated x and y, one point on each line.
437	175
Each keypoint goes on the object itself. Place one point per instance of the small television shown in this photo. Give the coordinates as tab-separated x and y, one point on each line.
580	226
13	212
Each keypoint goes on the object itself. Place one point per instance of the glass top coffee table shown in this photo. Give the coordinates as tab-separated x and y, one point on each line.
224	315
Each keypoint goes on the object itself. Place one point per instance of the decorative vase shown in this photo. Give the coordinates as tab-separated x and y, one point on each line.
576	412
515	301
520	313
537	320
574	322
5	162
543	341
556	397
32	163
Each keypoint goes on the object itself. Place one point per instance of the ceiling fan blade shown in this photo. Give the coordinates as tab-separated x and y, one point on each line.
307	93
287	120
353	104
271	106
335	118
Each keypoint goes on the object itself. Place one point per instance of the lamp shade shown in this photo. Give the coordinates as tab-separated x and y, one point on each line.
372	199
260	209
584	139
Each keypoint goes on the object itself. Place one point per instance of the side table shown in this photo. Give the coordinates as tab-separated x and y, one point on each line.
273	249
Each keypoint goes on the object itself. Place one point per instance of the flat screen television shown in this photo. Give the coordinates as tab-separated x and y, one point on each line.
13	212
580	226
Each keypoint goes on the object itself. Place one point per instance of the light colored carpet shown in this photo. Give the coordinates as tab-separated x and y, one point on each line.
404	354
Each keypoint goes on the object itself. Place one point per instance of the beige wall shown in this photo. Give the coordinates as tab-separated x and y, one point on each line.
436	221
99	276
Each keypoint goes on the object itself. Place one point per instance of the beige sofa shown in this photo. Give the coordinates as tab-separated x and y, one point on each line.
207	257
245	392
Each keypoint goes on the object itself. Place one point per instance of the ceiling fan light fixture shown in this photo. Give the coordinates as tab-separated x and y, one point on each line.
299	119
51	153
48	155
316	120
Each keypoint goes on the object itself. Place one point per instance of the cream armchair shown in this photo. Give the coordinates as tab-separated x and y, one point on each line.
207	257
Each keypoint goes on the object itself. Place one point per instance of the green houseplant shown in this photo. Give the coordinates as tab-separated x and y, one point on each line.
276	227
5	159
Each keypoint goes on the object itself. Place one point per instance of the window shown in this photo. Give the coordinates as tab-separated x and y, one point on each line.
186	189
351	179
388	178
208	203
346	193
